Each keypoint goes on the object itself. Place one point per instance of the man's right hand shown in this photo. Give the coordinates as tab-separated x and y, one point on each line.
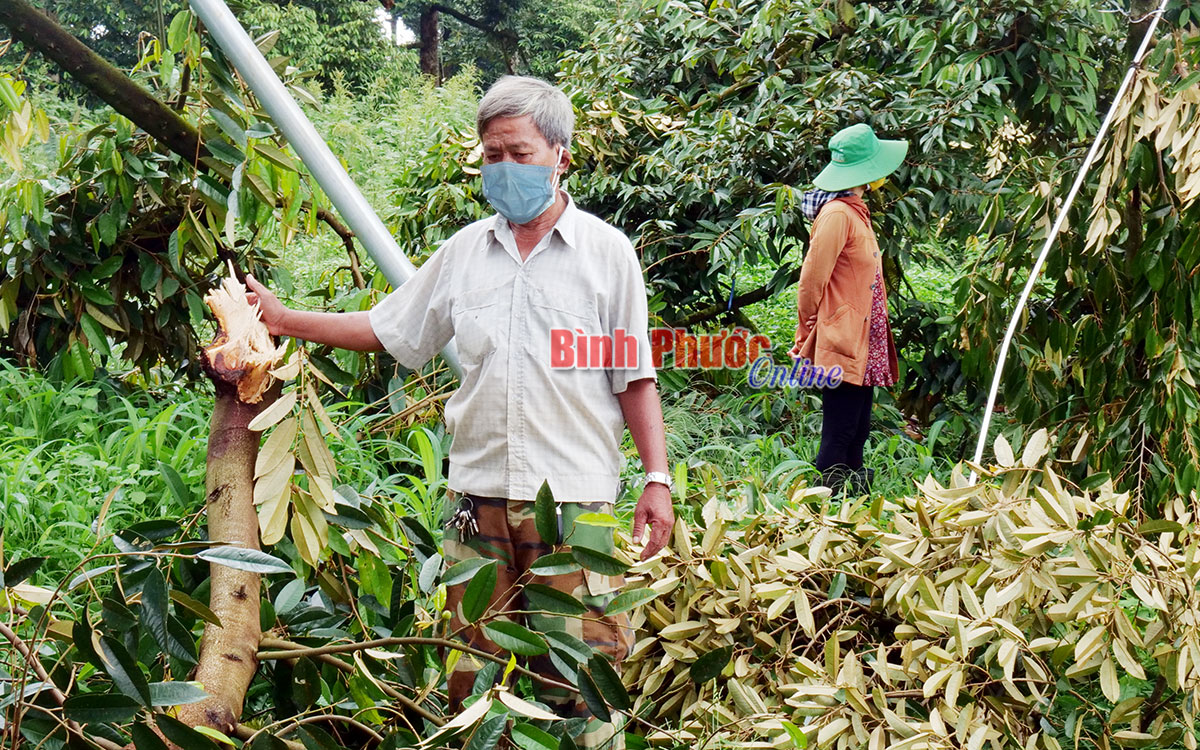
273	311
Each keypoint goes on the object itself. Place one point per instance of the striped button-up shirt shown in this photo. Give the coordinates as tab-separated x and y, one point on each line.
517	419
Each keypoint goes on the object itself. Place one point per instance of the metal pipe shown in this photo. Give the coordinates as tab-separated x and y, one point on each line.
314	152
1058	224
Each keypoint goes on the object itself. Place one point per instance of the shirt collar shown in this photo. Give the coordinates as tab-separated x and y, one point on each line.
565	227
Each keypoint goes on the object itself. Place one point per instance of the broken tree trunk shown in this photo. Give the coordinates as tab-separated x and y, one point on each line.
237	361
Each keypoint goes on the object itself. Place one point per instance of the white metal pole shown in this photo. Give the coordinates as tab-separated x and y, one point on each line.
345	195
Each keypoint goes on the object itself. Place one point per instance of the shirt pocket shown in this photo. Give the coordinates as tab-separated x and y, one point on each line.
481	322
556	309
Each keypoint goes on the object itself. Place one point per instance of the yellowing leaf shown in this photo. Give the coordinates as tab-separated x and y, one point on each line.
524	708
277	445
1035	448
1109	683
1004	451
274	413
269	487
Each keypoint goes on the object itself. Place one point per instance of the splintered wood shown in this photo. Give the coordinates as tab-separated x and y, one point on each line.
242	352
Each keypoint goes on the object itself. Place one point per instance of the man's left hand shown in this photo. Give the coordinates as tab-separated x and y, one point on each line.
653	508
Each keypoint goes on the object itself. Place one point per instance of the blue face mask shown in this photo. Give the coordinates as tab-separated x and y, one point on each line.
520	192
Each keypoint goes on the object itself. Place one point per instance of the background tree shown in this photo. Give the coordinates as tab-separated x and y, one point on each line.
1107	348
522	37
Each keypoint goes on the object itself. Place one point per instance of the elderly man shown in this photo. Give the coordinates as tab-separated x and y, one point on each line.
514	291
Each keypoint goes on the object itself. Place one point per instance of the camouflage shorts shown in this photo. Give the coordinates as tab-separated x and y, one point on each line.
508	533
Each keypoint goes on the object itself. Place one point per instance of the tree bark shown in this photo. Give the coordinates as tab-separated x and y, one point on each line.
227	653
429	31
237	362
40	32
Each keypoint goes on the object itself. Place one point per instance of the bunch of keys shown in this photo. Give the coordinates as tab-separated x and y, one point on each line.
463	520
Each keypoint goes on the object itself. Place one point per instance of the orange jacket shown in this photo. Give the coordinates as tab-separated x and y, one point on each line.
834	296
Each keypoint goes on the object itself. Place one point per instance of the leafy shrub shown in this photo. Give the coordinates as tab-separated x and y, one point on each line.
1018	612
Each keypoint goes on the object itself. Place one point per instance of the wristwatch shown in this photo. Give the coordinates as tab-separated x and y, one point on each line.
661	477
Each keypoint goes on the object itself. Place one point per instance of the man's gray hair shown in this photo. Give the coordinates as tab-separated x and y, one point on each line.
514	96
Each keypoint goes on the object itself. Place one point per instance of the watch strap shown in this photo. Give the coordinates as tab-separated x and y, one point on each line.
661	477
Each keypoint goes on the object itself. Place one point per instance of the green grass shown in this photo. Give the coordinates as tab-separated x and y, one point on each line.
71	450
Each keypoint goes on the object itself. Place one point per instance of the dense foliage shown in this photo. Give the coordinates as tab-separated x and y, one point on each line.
1108	344
1023	612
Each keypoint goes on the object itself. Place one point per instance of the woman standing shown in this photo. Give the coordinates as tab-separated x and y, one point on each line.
842	303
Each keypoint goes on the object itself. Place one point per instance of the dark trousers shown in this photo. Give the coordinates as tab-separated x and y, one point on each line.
845	424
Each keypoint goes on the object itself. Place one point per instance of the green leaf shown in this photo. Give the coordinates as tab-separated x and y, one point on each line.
609	682
566	743
375	578
1159	527
107	224
565	643
275	156
124	671
799	738
556	564
548	599
153	612
175	484
229	127
145	738
226	152
627	600
95	334
488	733
529	737
176	693
512	637
546	515
101	708
709	665
181	734
603	520
183	644
177	32
20	570
479	592
88	575
837	586
317	739
465	570
241	558
418	535
591	696
199	609
598	561
290	595
268	741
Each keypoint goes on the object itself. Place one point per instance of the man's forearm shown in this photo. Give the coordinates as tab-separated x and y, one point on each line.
350	330
643	414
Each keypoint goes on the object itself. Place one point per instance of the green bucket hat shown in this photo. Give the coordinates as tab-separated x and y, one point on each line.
859	157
